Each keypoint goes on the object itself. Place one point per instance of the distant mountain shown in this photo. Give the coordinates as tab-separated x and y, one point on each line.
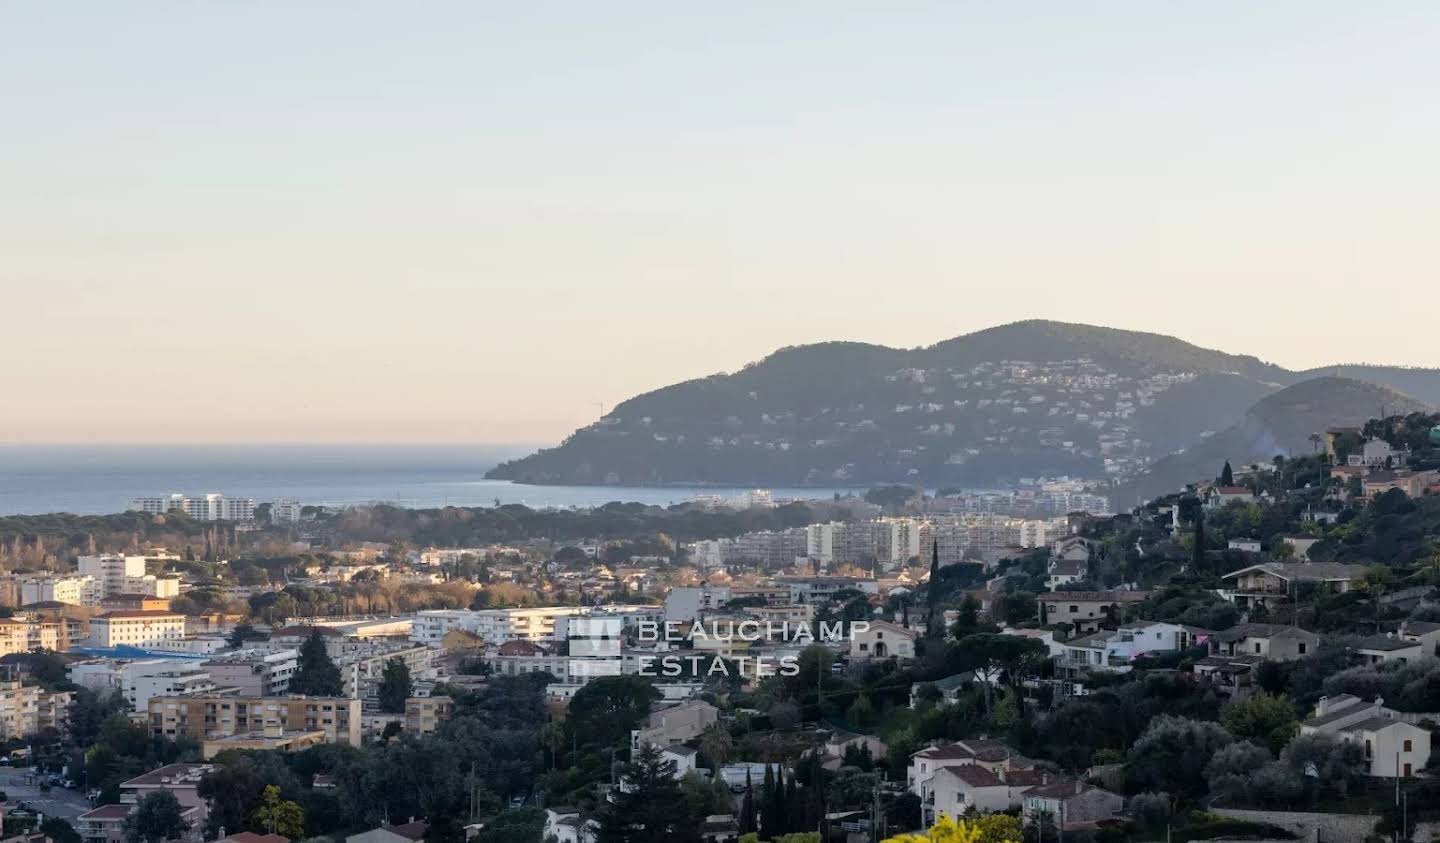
1279	424
1029	399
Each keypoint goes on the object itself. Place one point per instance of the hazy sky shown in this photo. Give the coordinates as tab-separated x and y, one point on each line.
471	221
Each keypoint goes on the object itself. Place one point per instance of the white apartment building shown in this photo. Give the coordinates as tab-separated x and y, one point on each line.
140	679
135	629
255	672
285	511
112	572
76	590
496	626
209	507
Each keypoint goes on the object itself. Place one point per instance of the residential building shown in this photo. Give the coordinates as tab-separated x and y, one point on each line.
111	570
208	507
181	780
79	590
140	679
285	511
26	709
105	824
424	715
1424	633
1275	642
1273	582
964	789
1113	651
409	832
210	717
1087	610
882	640
1392	746
135	629
24	634
254	672
675	724
1389	648
1225	495
1071	804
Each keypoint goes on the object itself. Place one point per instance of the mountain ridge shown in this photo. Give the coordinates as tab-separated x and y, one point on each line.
1026	399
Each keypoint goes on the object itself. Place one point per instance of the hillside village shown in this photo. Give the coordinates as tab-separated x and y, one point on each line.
1253	655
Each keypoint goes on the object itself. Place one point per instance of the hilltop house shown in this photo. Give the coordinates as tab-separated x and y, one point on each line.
1389	648
1274	582
1264	640
1424	633
1392	746
1112	651
1224	495
1086	610
1071	804
882	640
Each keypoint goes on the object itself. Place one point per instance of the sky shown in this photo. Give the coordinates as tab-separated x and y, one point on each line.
486	222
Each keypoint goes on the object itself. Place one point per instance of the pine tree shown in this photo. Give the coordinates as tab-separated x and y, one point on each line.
650	808
1227	475
316	674
395	686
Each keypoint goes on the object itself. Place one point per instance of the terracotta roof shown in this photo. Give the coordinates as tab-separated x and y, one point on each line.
141	613
973	775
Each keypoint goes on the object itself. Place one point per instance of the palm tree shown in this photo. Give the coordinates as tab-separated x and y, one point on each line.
715	742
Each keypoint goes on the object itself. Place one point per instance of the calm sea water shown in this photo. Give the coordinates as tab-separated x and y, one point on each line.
91	480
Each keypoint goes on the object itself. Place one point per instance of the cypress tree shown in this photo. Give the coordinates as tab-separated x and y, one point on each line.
747	807
934	624
1227	475
1198	552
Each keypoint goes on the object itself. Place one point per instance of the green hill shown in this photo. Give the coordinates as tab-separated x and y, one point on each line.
1034	398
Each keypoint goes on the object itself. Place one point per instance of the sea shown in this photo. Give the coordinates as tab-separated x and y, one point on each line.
101	479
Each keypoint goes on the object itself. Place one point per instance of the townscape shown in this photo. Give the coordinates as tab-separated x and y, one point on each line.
1253	655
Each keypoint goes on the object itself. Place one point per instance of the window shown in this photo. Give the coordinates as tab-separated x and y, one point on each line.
1407	746
1302	648
1368	749
1074	609
1257	646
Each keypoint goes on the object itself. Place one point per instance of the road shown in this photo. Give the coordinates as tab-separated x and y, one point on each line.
57	802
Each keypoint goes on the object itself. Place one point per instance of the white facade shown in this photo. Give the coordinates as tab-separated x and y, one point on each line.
255	672
135	629
208	507
76	590
112	571
285	511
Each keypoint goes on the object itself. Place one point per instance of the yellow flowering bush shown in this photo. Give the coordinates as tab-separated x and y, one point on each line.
991	828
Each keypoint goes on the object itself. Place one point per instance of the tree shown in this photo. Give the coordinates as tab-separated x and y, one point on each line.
279	816
716	744
607	709
1172	755
1197	550
395	686
158	816
316	674
649	808
60	831
747	806
1267	719
1227	475
991	828
935	623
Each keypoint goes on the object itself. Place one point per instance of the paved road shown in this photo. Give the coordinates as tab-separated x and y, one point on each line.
58	802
